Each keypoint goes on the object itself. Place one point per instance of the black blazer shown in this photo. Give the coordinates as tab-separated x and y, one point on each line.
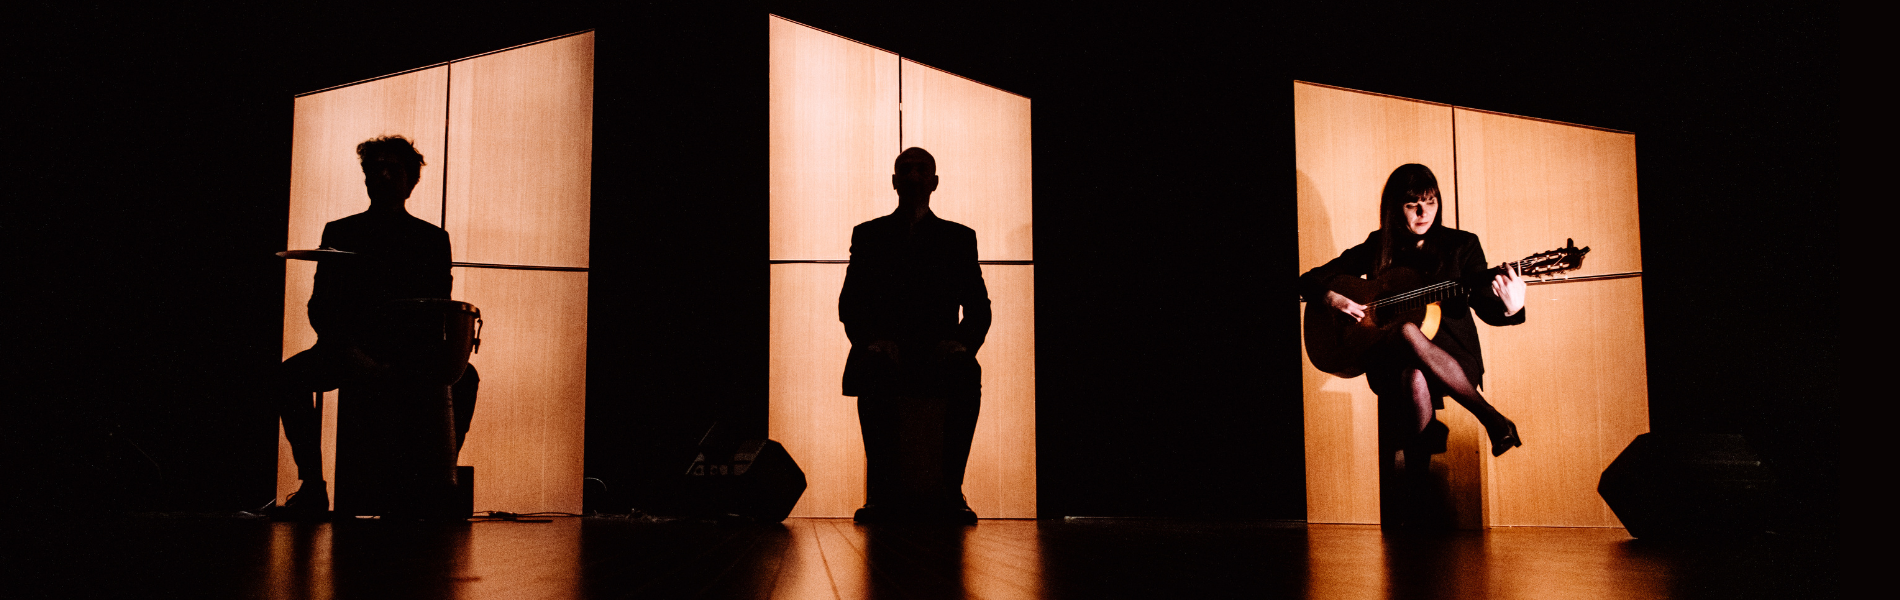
1449	254
398	256
907	286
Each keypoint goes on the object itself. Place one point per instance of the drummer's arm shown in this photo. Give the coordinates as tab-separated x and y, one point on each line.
443	257
323	308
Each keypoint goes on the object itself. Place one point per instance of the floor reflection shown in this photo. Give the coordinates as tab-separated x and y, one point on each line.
1345	561
388	559
204	557
1365	561
834	558
299	562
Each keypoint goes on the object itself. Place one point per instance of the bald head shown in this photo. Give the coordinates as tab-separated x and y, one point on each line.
915	154
915	177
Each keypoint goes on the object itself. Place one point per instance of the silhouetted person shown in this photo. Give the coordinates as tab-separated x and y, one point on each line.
913	362
397	256
1409	371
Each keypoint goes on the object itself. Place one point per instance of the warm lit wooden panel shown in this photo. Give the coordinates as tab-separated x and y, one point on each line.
300	277
1001	479
1342	448
326	180
525	439
1527	185
833	131
1346	144
980	137
1462	466
1573	377
810	414
521	128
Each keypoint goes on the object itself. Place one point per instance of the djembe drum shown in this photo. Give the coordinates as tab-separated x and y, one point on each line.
396	446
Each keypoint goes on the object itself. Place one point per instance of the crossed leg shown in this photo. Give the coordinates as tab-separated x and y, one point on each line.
1436	369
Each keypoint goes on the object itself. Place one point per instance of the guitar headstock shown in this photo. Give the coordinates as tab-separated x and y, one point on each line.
1551	262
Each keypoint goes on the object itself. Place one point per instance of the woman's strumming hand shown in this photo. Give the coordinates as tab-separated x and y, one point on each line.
1346	305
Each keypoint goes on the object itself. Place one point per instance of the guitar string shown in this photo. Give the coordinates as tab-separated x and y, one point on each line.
1427	290
1440	287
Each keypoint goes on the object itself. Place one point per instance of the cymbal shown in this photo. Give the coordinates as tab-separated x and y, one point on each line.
318	254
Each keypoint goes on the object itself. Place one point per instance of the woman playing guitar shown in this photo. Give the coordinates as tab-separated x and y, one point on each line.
1408	368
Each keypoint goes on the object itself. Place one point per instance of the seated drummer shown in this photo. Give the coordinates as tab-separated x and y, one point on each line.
396	256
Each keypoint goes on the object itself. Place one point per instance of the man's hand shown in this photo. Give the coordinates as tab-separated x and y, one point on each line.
1509	287
950	348
361	361
887	348
1346	305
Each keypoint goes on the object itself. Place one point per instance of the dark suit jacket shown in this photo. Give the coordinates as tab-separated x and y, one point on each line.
1449	254
907	287
398	256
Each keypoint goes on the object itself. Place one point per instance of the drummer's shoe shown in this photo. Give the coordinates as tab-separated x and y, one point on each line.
957	512
309	503
960	512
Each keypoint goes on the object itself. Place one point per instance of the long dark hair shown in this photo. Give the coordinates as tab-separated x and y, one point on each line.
1408	183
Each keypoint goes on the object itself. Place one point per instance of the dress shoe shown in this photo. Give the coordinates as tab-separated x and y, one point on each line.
1503	437
309	503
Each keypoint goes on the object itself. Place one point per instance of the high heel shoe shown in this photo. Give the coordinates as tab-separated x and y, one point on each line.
1503	438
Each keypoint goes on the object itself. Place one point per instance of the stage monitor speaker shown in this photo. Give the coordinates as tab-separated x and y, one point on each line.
1688	485
758	481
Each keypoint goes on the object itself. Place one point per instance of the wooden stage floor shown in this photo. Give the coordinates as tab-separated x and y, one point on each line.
205	556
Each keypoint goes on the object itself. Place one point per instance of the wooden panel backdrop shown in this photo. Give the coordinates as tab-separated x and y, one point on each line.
833	140
980	137
1346	143
526	440
808	412
1573	376
521	130
1001	480
518	166
326	184
834	136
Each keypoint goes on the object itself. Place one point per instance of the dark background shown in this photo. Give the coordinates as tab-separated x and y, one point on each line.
150	157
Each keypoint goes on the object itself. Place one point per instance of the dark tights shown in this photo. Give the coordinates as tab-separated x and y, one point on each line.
1433	370
1409	493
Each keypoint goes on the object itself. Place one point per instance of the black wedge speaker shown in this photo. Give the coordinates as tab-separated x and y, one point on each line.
1688	486
757	481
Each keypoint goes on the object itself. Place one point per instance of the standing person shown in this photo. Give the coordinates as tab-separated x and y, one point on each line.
396	256
913	361
1407	370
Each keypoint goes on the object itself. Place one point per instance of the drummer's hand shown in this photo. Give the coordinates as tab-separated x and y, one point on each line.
887	348
1509	287
1356	310
362	361
950	348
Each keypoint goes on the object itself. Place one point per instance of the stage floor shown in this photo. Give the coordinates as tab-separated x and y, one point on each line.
206	556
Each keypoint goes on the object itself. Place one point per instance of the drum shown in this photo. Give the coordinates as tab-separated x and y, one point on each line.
396	435
430	339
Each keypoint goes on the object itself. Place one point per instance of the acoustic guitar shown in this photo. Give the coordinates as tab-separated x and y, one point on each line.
1337	344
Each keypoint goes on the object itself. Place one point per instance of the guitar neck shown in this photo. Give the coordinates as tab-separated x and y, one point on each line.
1437	292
